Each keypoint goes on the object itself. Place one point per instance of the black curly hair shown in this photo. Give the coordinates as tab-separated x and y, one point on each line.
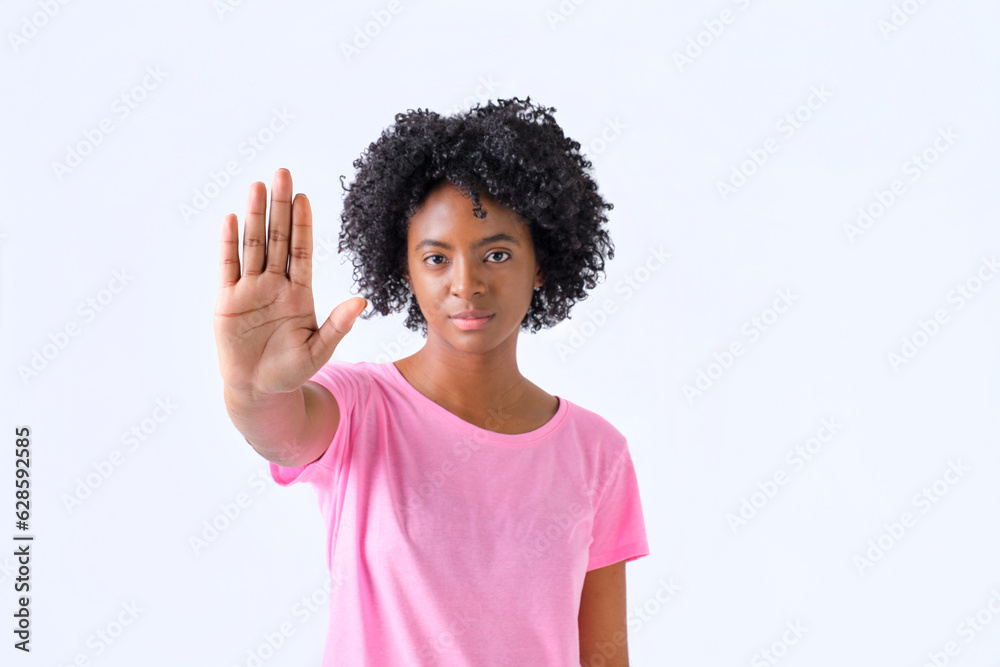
518	154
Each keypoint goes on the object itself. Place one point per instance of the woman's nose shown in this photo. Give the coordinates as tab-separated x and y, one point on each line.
466	278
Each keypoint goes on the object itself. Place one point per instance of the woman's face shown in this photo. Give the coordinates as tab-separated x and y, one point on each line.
457	262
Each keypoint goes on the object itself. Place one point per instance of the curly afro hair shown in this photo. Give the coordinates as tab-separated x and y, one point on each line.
518	154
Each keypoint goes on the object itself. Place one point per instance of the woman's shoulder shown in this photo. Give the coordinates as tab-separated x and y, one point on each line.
591	422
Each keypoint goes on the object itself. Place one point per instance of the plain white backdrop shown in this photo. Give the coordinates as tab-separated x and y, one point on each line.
822	176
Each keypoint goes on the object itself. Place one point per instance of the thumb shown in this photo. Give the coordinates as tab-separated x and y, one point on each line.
337	325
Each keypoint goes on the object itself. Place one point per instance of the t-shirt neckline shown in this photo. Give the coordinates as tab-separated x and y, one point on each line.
468	428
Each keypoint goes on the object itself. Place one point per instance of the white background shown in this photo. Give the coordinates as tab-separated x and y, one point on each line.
894	79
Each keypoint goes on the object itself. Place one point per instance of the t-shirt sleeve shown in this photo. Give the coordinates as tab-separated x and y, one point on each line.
619	530
350	386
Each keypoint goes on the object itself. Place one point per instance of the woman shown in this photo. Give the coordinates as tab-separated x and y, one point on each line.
473	518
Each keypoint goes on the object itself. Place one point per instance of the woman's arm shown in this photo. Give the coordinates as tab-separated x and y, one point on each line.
266	329
603	626
289	429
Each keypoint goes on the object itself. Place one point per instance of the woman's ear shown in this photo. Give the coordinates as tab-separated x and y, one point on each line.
405	268
539	275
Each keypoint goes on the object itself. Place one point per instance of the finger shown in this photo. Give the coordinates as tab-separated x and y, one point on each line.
300	263
253	230
337	325
229	252
279	226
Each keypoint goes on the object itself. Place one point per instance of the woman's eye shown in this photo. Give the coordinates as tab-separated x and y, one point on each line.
430	258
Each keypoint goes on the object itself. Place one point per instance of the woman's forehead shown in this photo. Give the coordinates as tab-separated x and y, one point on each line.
447	209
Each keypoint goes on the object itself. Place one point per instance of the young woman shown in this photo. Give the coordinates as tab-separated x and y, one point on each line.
473	518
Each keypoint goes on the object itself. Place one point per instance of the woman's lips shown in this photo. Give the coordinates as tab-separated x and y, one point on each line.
469	323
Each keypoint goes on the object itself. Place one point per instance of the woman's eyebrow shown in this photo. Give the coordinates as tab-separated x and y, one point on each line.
478	244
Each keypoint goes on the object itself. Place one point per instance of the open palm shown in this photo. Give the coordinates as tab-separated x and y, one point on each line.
265	319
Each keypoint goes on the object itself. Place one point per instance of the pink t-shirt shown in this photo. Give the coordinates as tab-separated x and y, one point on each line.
453	545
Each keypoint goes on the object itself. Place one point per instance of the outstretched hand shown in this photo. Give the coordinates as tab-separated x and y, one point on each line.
265	320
